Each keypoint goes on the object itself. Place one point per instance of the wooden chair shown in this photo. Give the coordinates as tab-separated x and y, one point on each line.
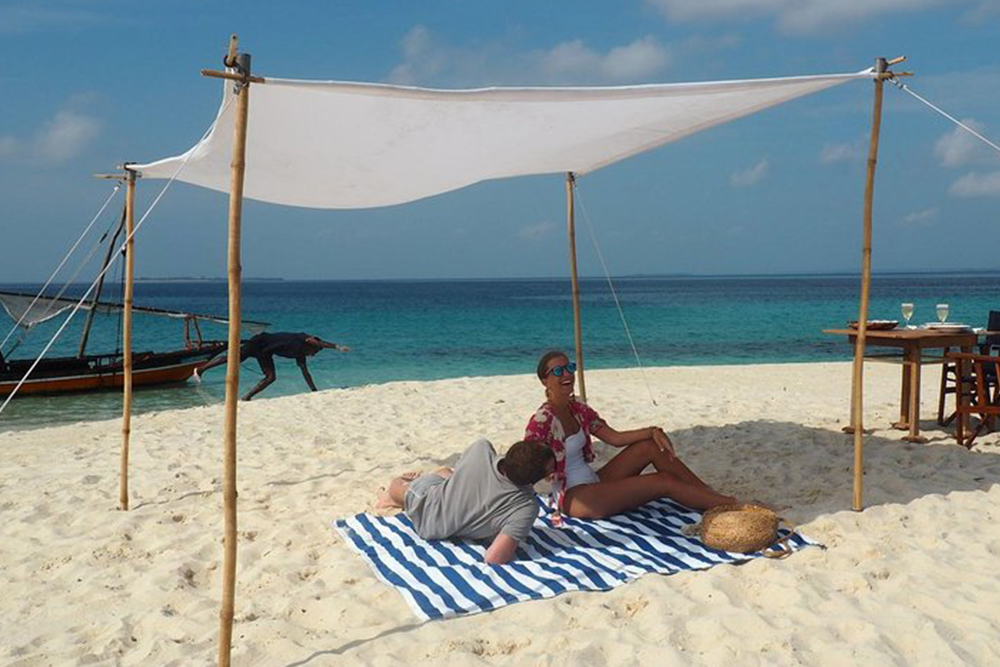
978	393
949	379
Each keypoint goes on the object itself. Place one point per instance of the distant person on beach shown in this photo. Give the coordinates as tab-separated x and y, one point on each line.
486	497
264	347
566	425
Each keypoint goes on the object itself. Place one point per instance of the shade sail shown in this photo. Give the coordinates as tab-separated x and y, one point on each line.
328	144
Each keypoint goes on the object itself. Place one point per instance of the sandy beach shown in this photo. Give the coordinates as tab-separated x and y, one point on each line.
911	580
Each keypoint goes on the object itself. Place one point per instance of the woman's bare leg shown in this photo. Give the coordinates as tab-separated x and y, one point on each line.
601	500
636	457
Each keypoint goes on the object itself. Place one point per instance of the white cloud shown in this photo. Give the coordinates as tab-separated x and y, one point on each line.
535	231
702	44
958	147
684	10
423	58
65	136
751	176
800	16
977	184
639	59
59	140
924	218
984	12
975	89
841	153
30	17
8	147
426	61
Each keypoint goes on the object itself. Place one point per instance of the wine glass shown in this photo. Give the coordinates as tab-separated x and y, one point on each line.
907	310
942	312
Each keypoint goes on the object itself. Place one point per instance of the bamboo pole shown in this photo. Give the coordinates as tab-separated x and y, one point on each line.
577	328
231	76
241	63
127	336
857	380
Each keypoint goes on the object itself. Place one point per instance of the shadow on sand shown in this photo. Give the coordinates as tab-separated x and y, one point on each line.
807	471
340	650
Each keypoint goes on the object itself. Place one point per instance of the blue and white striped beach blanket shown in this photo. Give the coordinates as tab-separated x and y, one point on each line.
446	578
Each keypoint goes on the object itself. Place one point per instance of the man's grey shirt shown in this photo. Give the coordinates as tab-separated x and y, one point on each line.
476	502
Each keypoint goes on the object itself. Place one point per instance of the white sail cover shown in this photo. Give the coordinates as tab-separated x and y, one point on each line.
27	310
328	144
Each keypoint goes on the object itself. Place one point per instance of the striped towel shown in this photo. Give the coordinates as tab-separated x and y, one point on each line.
443	578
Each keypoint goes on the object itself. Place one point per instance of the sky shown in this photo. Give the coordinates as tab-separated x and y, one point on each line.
88	86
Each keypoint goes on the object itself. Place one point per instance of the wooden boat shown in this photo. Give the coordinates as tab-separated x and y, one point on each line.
105	371
88	372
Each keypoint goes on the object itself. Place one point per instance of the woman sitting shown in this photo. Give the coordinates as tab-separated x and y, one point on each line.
566	425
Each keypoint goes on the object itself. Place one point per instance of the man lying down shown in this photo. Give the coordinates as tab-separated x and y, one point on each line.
485	497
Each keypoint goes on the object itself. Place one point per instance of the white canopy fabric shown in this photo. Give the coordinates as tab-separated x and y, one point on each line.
329	144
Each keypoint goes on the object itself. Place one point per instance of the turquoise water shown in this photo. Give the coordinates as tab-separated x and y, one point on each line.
422	330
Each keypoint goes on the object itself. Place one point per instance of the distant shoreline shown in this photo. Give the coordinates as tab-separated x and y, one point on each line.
633	276
188	279
651	276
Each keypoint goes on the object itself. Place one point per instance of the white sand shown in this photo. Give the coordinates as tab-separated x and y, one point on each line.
911	580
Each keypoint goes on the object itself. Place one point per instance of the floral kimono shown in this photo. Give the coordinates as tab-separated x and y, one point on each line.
545	427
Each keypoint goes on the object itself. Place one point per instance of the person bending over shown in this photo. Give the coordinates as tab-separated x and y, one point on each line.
566	425
485	497
264	347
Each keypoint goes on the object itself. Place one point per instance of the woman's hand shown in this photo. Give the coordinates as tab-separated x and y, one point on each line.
659	437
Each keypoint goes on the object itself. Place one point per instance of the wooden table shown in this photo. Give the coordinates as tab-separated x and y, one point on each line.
913	342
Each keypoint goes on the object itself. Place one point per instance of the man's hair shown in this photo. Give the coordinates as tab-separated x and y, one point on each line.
526	462
544	361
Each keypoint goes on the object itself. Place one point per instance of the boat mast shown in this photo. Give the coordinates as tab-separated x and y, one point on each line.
100	284
577	328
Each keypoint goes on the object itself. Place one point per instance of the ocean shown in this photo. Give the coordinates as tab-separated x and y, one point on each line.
434	329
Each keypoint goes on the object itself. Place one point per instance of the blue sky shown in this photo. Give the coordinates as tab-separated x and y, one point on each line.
89	85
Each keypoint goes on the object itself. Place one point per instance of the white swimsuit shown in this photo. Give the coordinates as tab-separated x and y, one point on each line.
578	471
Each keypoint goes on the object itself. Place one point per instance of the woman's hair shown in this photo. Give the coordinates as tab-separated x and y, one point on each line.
526	462
544	361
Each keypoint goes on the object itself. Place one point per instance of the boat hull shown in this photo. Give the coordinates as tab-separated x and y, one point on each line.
97	372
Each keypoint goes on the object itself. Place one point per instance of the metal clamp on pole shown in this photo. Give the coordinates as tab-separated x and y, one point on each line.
886	73
239	63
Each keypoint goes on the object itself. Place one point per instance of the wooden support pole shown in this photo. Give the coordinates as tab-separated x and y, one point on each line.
858	376
242	63
231	76
577	328
127	336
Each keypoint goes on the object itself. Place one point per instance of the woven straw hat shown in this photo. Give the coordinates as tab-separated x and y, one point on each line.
743	528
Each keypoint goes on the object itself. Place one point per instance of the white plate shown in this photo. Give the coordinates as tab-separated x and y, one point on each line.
947	326
876	325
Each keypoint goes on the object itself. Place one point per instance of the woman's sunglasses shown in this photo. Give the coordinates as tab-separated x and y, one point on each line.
559	370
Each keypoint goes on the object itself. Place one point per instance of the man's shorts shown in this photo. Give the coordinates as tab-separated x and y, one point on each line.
413	499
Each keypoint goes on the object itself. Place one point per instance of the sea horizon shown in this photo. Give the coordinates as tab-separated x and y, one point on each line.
628	276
